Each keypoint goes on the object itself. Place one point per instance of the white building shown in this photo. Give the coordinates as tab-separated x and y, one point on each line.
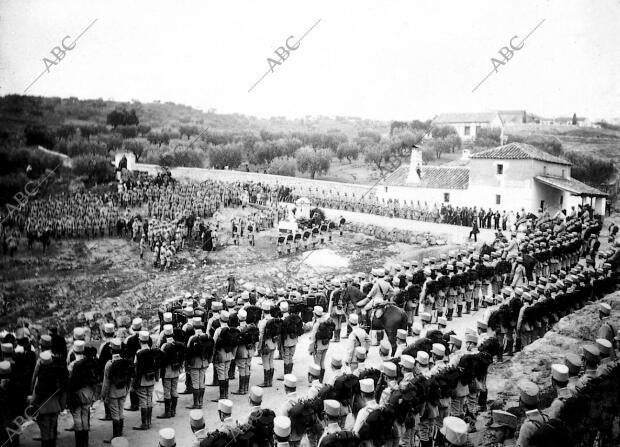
467	125
508	177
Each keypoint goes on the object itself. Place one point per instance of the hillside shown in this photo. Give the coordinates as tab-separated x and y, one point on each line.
603	143
17	111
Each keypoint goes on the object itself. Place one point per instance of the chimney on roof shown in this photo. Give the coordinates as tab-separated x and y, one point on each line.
415	168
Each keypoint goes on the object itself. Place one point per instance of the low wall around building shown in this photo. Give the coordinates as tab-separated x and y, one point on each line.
301	186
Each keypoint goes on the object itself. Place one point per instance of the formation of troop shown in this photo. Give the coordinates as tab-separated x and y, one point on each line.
413	209
428	387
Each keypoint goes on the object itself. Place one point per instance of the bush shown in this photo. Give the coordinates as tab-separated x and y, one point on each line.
128	131
224	155
190	158
546	143
282	166
428	155
15	161
39	135
488	137
350	151
10	185
589	169
313	161
94	169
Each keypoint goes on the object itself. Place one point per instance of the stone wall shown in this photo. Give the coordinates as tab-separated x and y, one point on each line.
301	186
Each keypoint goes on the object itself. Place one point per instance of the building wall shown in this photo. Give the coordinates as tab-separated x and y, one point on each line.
516	173
457	197
460	127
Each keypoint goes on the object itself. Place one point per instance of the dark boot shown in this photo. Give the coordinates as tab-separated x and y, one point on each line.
121	425
222	391
467	307
215	379
459	310
482	400
143	416
195	405
166	414
173	407
78	438
107	416
133	401
321	375
188	384
149	416
449	314
201	397
241	386
265	378
231	371
476	304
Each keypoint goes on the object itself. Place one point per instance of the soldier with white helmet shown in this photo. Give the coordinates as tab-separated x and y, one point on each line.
357	338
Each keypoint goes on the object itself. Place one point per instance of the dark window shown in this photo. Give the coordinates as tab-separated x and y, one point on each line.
500	169
446	197
561	200
466	130
498	199
542	204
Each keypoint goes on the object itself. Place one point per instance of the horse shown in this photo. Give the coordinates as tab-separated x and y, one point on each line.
389	319
44	237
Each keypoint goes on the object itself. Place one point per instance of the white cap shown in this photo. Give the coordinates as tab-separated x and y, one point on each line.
331	407
353	319
318	311
119	441
256	394
367	385
389	369
225	406
144	336
136	323
196	321
407	361
439	349
196	419
385	347
167	317
284	306
108	328
559	372
336	360
314	369
282	426
168	329
266	306
78	332
224	316
166	437
360	353
416	328
290	381
422	358
242	315
454	430
605	308
78	346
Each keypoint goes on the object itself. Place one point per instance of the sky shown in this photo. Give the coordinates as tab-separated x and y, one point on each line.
385	60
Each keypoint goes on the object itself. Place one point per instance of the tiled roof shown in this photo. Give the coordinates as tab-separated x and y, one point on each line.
519	151
481	117
571	185
439	177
